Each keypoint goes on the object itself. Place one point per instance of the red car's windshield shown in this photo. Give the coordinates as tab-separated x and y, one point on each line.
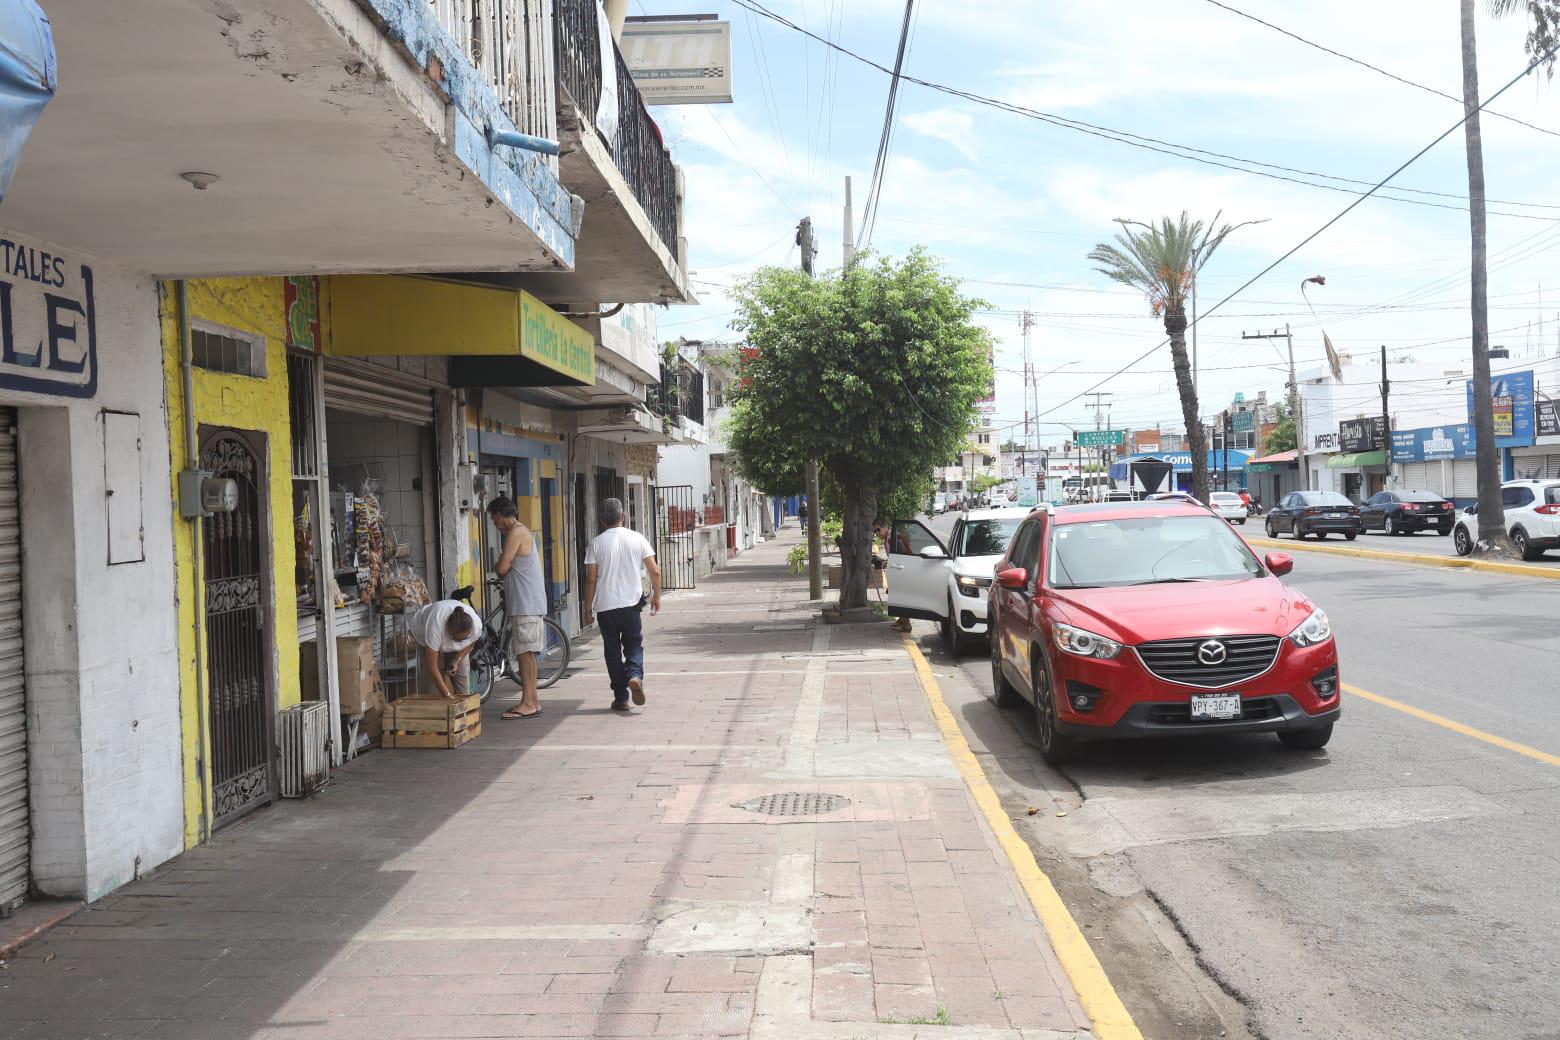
1145	550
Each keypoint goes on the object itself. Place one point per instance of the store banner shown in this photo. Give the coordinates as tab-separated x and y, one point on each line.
1547	414
1512	395
1433	443
1356	435
679	61
373	315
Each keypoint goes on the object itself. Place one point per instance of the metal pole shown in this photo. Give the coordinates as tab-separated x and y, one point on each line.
850	240
197	563
1305	473
1386	416
804	238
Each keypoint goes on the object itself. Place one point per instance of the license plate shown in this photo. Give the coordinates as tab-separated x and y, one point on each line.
1335	516
1215	706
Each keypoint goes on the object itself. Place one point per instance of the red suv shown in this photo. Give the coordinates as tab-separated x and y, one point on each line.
1149	619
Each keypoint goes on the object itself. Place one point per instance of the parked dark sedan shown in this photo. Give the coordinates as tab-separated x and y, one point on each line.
1321	513
1404	512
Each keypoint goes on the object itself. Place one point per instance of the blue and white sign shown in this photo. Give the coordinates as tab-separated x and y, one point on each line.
48	322
1512	395
1433	443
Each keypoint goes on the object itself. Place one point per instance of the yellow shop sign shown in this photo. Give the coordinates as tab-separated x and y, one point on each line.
550	339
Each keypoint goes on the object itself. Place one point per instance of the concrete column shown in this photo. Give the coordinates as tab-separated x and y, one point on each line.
617	11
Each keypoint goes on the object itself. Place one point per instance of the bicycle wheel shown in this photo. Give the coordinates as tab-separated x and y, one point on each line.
486	663
553	661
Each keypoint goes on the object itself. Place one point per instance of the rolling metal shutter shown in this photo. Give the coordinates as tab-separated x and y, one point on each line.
1465	479
371	390
1420	476
14	830
1536	464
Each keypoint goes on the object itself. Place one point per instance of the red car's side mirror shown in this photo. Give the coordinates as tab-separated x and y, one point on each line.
1012	578
1279	563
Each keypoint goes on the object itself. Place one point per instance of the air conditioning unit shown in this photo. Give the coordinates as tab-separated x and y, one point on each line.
303	734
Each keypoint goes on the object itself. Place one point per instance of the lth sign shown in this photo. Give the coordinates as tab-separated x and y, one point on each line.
48	323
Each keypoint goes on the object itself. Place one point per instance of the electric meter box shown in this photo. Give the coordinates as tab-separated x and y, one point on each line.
202	493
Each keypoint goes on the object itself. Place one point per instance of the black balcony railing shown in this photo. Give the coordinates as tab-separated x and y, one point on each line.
637	149
681	392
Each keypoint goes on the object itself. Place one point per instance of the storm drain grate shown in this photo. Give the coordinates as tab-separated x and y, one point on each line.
795	803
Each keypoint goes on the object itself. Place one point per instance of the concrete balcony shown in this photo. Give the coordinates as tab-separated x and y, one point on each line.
342	136
630	246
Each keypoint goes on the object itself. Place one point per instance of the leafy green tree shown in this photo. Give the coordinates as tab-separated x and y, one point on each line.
1282	437
1162	262
875	373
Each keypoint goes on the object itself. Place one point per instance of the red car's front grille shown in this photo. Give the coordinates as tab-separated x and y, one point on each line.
1184	660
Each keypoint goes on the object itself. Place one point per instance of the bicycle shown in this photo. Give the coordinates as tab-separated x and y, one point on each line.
490	657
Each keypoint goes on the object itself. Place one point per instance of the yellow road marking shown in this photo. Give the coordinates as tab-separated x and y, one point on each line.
1100	1001
1455	726
1523	570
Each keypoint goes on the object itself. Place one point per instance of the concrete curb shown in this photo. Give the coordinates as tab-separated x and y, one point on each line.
1096	994
1522	570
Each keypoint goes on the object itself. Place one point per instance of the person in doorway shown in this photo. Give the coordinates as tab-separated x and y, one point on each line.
614	596
885	531
446	631
525	600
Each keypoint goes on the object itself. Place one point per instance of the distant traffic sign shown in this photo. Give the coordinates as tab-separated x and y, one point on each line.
1101	438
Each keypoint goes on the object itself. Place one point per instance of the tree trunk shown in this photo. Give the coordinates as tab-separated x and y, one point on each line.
1196	443
856	543
1492	517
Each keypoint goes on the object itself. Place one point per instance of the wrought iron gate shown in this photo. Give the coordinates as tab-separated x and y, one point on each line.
676	519
238	636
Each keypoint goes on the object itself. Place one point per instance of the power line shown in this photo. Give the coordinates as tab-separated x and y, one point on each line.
1374	68
1309	238
875	186
1163	147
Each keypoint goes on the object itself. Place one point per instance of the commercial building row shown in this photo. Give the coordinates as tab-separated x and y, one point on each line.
279	313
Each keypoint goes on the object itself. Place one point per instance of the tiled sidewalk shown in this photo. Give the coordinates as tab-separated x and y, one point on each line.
596	874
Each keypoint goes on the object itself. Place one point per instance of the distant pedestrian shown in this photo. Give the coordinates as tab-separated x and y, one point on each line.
801	513
892	546
525	600
614	594
445	632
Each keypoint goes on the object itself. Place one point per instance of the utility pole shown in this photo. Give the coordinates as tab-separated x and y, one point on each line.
804	238
1386	416
1026	321
1227	429
1098	404
1294	388
850	239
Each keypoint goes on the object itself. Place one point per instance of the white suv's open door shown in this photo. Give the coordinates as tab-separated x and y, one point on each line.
918	566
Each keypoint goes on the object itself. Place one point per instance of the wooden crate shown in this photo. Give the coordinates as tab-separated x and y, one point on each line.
432	722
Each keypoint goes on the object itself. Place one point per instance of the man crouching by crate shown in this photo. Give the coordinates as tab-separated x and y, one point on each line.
445	632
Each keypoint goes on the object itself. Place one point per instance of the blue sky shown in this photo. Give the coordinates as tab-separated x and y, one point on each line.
1012	205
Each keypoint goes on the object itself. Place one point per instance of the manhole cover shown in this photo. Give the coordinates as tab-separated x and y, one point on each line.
795	803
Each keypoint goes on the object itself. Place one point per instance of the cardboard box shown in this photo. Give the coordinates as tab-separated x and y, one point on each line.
356	672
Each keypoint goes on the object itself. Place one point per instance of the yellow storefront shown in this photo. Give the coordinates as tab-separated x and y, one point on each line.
232	568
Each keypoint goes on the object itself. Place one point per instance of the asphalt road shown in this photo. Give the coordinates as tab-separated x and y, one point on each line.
1401	883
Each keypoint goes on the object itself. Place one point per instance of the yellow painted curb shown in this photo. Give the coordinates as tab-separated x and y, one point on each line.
1417	559
1109	1016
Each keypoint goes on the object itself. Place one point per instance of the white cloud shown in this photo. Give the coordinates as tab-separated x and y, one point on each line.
949	125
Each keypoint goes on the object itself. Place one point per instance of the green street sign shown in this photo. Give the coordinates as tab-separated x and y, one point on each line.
1101	438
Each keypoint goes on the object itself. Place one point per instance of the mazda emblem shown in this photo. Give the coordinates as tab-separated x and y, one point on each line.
1211	652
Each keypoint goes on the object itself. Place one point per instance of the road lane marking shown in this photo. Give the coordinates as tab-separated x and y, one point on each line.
1410	559
1099	998
1456	727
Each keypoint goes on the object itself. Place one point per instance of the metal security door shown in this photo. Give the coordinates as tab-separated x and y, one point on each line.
238	637
15	840
675	521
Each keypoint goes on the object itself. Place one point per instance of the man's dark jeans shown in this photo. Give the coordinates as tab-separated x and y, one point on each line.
623	641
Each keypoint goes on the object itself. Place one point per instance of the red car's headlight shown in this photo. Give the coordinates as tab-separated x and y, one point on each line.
1082	643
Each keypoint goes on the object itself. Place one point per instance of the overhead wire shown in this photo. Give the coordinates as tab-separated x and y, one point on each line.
1187	152
875	184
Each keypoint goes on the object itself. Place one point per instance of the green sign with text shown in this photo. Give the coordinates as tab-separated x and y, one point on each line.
1101	438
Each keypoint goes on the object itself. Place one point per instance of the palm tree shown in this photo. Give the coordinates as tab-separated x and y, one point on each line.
1162	262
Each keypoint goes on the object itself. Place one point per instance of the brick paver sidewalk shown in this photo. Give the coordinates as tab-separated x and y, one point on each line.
595	874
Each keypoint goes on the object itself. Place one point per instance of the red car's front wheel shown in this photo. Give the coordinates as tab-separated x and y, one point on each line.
1055	747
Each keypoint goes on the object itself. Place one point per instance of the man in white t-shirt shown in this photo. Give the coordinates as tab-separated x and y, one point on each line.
615	595
446	632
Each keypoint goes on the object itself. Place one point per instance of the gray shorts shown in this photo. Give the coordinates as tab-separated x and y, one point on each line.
527	634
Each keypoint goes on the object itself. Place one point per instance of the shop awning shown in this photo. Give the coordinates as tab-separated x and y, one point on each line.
1278	458
493	337
27	79
1358	460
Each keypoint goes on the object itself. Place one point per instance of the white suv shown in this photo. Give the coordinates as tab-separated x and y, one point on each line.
949	583
1532	510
